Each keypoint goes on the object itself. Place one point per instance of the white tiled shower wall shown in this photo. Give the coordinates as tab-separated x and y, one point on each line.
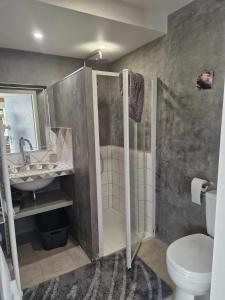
113	178
113	184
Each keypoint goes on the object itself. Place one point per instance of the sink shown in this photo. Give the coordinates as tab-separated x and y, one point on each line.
36	176
33	185
29	170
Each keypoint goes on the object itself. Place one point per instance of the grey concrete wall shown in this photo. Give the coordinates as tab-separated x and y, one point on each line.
110	111
33	68
188	120
94	250
104	109
23	67
74	108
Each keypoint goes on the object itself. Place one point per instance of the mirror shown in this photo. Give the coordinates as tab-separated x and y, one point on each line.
25	115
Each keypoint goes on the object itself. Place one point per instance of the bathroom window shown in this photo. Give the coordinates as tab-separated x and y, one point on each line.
18	109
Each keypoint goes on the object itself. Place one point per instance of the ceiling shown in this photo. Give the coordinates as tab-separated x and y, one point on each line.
164	7
75	31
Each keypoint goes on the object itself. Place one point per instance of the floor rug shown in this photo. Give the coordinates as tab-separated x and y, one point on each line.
105	279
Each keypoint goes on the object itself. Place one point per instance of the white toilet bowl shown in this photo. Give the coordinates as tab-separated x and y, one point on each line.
189	264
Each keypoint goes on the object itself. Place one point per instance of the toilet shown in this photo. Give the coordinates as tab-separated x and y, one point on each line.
189	259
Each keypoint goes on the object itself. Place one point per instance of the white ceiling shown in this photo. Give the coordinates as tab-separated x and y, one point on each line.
77	30
66	32
164	7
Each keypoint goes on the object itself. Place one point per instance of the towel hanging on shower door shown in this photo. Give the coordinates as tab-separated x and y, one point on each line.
135	93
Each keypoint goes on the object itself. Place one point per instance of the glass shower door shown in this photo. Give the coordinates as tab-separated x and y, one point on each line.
134	169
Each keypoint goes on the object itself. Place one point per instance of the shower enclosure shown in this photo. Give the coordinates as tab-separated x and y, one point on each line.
125	164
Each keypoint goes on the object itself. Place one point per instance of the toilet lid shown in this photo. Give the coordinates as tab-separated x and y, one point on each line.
192	255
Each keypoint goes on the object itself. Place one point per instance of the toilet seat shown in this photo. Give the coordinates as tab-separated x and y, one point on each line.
191	257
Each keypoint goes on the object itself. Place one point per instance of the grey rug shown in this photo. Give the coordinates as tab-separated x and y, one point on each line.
106	279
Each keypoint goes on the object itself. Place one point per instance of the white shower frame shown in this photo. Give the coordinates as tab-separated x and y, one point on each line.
153	104
97	154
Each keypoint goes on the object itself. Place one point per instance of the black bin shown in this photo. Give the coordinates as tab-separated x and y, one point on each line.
53	228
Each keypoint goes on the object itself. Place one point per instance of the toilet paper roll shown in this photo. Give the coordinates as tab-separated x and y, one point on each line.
197	187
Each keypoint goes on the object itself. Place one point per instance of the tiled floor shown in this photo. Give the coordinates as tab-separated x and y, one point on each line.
153	253
113	231
38	265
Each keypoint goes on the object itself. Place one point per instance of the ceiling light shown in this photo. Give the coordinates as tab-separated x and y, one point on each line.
38	35
102	47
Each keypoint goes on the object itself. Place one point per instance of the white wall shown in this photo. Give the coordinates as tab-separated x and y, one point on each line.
218	272
113	178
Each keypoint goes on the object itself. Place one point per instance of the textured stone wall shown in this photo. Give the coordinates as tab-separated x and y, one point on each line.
110	109
34	68
105	100
74	108
188	120
25	67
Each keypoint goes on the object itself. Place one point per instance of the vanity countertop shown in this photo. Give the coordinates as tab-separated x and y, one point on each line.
19	174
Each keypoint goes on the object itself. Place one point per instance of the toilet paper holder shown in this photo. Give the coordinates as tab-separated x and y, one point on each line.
199	187
209	185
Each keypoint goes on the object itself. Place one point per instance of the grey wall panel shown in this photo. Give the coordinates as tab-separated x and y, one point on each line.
91	161
188	120
110	109
34	68
73	108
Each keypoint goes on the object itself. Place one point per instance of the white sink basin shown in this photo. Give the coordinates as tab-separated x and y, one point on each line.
33	185
36	176
31	169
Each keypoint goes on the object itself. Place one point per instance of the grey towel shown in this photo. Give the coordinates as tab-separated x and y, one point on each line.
136	94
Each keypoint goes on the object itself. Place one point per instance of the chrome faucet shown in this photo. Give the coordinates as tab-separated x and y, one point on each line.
25	154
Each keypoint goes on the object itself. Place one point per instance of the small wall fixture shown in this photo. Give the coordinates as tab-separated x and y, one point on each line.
205	79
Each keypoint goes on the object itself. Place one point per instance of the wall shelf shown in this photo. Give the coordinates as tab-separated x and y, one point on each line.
45	202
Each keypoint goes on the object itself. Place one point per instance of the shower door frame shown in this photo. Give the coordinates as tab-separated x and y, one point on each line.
153	103
153	110
97	153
